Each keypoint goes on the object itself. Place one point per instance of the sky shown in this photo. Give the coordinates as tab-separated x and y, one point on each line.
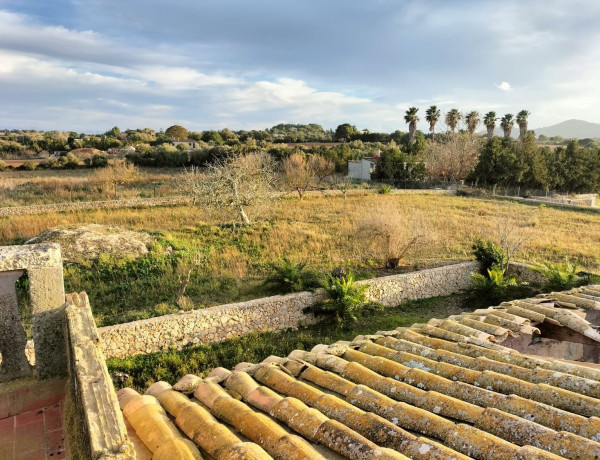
88	65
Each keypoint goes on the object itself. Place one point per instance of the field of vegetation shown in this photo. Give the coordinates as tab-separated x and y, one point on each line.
230	263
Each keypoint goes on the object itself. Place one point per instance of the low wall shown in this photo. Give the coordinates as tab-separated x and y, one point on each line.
269	314
94	425
182	200
85	205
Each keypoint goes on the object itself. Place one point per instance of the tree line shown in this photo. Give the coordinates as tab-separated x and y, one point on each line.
456	152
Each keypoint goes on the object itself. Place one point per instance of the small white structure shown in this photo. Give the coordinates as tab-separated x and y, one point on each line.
361	169
190	143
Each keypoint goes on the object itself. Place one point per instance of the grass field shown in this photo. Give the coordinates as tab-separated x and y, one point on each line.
23	188
324	232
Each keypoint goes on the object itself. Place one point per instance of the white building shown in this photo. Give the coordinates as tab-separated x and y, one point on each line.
361	169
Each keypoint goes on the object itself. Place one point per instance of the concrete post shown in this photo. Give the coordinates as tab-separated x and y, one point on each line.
12	336
43	264
47	292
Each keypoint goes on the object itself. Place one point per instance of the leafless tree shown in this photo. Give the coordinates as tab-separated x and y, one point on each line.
321	167
302	172
118	172
387	234
512	234
454	158
184	275
243	185
342	183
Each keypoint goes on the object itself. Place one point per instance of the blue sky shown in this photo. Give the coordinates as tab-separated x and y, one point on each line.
87	65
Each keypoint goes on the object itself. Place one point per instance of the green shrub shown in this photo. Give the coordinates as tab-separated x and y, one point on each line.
489	254
384	189
2	166
289	276
494	287
560	276
346	300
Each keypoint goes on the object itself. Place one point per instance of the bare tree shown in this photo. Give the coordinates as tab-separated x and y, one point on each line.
388	235
454	158
297	173
184	275
321	167
511	234
301	172
244	185
118	172
342	183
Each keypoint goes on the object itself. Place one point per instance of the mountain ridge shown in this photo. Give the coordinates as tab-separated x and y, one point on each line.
571	129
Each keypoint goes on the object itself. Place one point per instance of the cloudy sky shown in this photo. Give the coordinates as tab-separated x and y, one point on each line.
87	65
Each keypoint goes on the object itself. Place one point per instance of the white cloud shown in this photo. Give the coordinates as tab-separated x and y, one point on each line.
504	86
289	92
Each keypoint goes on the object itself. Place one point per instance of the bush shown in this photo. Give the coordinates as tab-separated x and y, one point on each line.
384	189
346	299
489	254
27	166
291	277
494	287
560	276
2	166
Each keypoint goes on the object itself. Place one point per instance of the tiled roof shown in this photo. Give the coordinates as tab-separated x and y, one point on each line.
446	389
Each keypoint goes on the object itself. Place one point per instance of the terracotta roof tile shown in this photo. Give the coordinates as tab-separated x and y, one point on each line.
446	389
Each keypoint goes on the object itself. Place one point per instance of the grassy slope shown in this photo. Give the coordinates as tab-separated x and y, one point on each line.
322	231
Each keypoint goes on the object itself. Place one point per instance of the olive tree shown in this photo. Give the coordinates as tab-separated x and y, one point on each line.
243	186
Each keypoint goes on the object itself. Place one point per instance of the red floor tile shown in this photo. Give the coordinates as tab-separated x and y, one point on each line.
53	418
32	455
55	443
29	417
30	437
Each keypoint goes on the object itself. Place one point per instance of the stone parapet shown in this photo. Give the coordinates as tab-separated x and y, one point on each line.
99	429
269	314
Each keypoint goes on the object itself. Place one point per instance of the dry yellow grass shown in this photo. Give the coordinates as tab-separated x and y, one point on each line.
325	231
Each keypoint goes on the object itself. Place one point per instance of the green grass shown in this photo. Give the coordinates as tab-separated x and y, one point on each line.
143	370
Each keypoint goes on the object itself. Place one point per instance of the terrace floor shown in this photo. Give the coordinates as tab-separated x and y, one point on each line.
31	420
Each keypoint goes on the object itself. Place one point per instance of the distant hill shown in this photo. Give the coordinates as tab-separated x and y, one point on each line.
571	129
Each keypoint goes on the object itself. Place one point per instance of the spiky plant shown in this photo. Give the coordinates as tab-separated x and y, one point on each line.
347	300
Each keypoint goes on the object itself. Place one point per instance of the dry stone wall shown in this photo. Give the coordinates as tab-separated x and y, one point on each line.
85	205
269	314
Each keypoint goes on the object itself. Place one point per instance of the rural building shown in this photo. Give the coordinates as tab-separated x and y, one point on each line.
361	169
190	143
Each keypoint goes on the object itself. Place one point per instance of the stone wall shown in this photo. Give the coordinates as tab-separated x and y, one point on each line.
182	200
269	314
95	428
85	205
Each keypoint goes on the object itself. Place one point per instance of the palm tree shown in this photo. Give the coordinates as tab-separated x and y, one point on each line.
522	122
411	118
489	120
472	120
452	119
432	115
506	123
